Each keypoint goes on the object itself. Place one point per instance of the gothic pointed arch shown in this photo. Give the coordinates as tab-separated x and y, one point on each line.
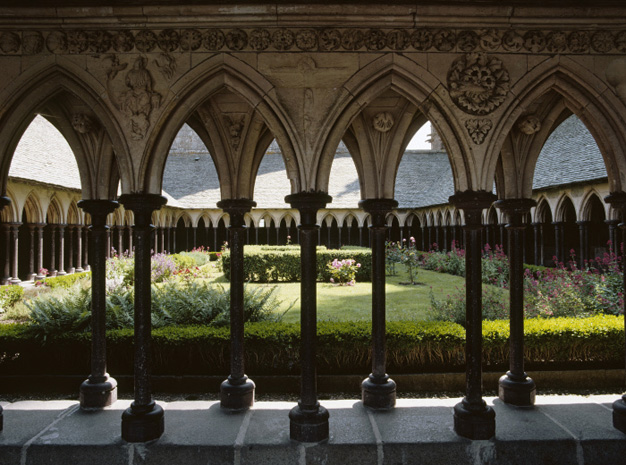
545	96
33	209
419	91
225	75
71	100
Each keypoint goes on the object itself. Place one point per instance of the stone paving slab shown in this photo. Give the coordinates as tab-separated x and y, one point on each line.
558	430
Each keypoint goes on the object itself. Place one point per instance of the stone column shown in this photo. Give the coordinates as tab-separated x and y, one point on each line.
144	420
612	224
31	256
53	253
108	243
154	243
308	420
163	249
39	264
378	390
85	231
515	387
15	250
195	235
130	240
237	392
61	270
70	254
583	254
99	390
537	243
473	419
558	241
6	227
618	201
4	201
79	248
120	239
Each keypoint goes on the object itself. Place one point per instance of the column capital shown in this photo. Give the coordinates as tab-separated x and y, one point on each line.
378	209
515	207
583	223
472	203
616	199
4	201
236	209
308	203
142	205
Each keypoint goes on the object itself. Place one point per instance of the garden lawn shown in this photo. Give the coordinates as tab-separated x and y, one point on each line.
354	303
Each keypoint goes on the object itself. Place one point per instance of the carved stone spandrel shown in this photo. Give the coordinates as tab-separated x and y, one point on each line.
616	77
478	128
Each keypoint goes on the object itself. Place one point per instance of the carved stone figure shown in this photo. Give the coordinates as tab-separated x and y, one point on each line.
167	64
529	125
9	42
235	128
478	83
82	123
139	100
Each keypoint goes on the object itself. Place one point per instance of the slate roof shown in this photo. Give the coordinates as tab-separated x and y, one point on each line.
190	180
44	155
569	155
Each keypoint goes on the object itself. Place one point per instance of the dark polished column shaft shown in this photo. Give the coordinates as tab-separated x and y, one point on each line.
15	252
583	235
7	252
515	387
99	390
144	420
61	270
237	392
4	201
473	419
53	230
40	227
612	225
31	256
378	390
79	249
308	420
618	201
558	241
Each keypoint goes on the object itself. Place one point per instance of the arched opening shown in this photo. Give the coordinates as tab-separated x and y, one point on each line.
544	235
598	232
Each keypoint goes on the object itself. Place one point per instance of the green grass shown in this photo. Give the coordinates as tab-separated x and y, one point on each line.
339	303
354	303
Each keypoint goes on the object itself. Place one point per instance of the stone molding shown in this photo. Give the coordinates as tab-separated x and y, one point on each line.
309	39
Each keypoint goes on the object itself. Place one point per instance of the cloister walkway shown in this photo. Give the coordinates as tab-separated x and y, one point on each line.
558	430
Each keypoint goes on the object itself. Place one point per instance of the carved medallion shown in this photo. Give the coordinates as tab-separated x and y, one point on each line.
32	42
478	83
352	39
145	41
383	121
602	41
168	40
190	40
444	40
512	41
260	39
490	40
77	42
236	40
98	41
283	39
123	41
398	39
56	42
529	125
467	41
375	39
9	42
422	40
478	129
213	39
330	39
306	40
579	41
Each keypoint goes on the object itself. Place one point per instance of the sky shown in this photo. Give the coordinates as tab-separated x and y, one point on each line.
419	139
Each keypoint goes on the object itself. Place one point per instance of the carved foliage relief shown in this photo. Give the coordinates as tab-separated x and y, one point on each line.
76	41
478	83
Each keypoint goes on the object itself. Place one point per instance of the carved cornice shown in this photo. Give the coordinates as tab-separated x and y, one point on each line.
536	41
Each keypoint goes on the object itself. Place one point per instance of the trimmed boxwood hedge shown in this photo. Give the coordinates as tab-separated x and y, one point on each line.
267	264
344	348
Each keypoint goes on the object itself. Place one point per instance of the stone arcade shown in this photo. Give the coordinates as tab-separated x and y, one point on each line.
494	79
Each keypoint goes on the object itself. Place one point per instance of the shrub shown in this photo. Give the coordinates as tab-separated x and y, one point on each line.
66	281
267	264
495	305
343	347
343	272
183	260
9	296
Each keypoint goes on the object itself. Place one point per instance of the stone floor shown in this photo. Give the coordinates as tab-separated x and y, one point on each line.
558	430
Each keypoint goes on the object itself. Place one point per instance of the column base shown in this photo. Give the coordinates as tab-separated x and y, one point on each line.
79	269
474	424
61	273
15	281
619	415
95	396
308	425
378	394
237	396
517	391
142	425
